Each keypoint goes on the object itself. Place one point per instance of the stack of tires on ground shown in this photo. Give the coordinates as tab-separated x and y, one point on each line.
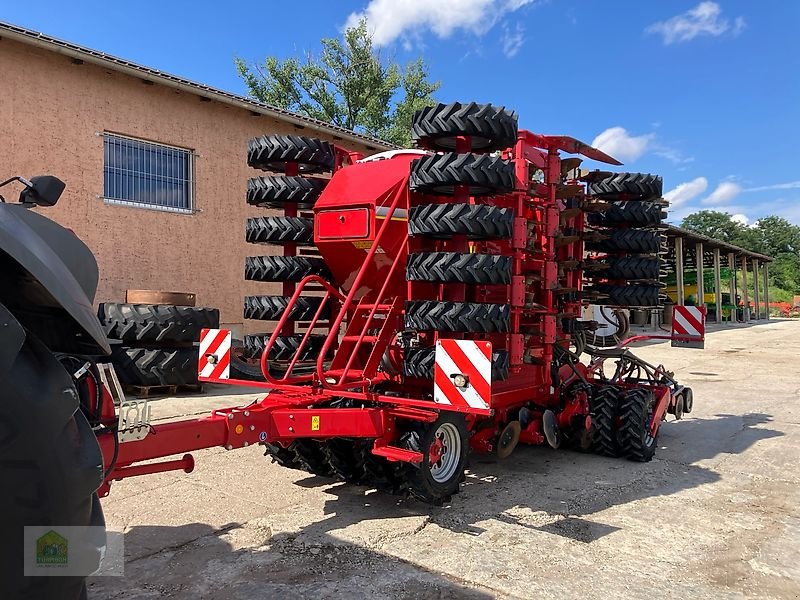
156	343
443	219
294	193
625	265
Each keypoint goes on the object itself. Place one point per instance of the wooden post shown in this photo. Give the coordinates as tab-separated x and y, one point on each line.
756	295
734	290
717	286
679	269
701	290
766	289
745	299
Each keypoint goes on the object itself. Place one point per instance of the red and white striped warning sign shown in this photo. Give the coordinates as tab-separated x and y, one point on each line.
462	374
214	361
689	326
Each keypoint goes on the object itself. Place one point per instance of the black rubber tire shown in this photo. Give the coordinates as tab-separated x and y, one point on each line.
628	240
430	315
142	366
629	295
604	407
285	347
285	457
309	457
283	268
50	463
241	368
419	363
155	323
280	230
491	127
421	482
643	214
482	174
272	152
636	409
628	267
476	221
344	461
271	308
380	473
626	186
459	267
688	400
278	190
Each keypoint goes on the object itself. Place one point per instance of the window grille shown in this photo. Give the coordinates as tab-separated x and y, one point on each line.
148	175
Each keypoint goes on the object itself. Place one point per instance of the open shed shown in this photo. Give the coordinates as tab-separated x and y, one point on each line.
687	250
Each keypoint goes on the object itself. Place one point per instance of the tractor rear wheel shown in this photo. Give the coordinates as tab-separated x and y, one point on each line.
283	268
604	404
642	214
459	267
628	268
490	127
280	230
285	346
626	186
149	323
273	152
158	366
277	191
476	221
50	464
428	315
444	449
629	295
271	308
628	240
636	412
481	174
419	363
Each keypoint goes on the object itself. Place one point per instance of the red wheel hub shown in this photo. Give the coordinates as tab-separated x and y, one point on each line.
436	451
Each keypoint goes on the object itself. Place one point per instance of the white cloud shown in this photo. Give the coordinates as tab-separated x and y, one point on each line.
704	19
792	185
686	191
741	219
512	40
724	192
617	142
389	20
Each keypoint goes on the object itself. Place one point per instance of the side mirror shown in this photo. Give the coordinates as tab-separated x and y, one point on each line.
44	190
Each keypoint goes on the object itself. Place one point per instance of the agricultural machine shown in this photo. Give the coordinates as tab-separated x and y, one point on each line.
431	305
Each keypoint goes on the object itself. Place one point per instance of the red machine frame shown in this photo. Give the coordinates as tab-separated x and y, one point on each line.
294	408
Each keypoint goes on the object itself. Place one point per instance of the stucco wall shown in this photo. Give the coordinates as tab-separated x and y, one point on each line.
51	111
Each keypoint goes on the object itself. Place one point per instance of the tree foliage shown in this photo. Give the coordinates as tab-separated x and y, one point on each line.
774	236
349	84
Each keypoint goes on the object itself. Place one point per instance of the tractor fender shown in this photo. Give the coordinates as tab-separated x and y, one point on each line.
49	281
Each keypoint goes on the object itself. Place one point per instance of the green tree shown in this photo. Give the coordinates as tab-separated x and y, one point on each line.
774	236
715	224
349	84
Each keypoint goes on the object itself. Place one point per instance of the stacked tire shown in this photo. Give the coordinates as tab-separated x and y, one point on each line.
156	343
291	189
443	181
625	265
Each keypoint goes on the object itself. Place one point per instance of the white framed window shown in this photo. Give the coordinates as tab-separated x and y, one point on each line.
148	175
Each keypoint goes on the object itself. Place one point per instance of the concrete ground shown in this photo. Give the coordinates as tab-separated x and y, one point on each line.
716	514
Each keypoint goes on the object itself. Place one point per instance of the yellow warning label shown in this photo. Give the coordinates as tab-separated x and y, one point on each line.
315	423
363	245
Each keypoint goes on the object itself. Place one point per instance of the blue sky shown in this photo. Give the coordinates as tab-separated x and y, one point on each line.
706	94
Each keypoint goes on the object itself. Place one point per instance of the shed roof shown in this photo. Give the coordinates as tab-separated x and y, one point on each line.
711	244
41	40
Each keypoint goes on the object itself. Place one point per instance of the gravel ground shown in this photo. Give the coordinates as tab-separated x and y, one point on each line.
714	515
